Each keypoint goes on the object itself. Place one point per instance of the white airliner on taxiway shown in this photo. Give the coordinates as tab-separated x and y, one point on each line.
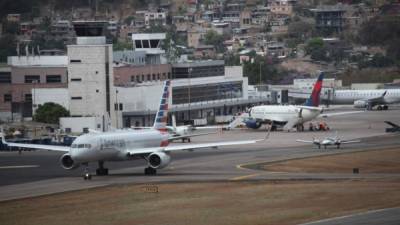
367	98
148	144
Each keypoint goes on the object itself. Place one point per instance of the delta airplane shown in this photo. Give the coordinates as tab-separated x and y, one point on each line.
329	141
287	115
148	144
367	98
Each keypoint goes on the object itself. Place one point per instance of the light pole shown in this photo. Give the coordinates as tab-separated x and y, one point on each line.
116	108
34	96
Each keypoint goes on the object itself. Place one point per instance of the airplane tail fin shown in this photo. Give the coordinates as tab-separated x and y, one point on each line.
313	100
160	122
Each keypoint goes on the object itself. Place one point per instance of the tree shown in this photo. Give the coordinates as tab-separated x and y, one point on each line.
50	112
8	45
215	39
316	49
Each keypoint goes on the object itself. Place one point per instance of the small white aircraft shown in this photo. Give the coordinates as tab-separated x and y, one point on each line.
148	144
329	141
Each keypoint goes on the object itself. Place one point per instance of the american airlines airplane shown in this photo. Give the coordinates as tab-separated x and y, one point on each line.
287	115
367	98
148	144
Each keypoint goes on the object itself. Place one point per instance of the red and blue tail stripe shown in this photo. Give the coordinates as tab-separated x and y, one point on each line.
160	122
313	100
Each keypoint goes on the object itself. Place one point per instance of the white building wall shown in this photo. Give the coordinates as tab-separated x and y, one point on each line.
141	98
77	124
366	86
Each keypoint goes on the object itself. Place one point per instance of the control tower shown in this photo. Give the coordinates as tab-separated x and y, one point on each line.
90	74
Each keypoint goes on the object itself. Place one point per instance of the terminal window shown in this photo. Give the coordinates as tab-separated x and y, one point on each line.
5	78
7	97
53	79
32	79
28	97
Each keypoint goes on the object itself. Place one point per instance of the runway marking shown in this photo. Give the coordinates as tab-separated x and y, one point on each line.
245	176
19	167
349	216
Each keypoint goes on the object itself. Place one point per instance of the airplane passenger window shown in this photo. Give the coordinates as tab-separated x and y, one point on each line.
81	146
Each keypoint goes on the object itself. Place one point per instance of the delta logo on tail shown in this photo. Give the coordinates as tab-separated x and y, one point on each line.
313	100
160	122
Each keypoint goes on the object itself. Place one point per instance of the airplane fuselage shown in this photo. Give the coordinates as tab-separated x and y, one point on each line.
282	113
113	146
350	96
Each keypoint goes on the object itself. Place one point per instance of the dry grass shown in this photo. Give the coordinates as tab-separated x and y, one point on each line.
378	161
234	203
205	203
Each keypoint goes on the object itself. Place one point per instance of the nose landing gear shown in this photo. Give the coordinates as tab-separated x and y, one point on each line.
87	175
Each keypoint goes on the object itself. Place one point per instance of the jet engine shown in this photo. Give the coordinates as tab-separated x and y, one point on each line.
159	160
67	162
360	104
252	123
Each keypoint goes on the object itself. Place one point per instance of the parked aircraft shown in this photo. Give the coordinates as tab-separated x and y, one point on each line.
329	141
148	144
183	132
287	115
367	98
394	127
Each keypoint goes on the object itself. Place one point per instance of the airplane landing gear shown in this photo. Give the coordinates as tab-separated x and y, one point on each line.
150	171
87	175
101	171
300	127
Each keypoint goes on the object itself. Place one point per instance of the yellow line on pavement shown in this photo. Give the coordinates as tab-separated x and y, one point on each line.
245	177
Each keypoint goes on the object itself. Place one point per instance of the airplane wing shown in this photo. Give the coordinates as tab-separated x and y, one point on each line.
392	124
35	146
376	100
190	147
305	141
350	141
325	115
188	136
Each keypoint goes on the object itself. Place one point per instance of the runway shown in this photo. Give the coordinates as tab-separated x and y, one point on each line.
38	173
